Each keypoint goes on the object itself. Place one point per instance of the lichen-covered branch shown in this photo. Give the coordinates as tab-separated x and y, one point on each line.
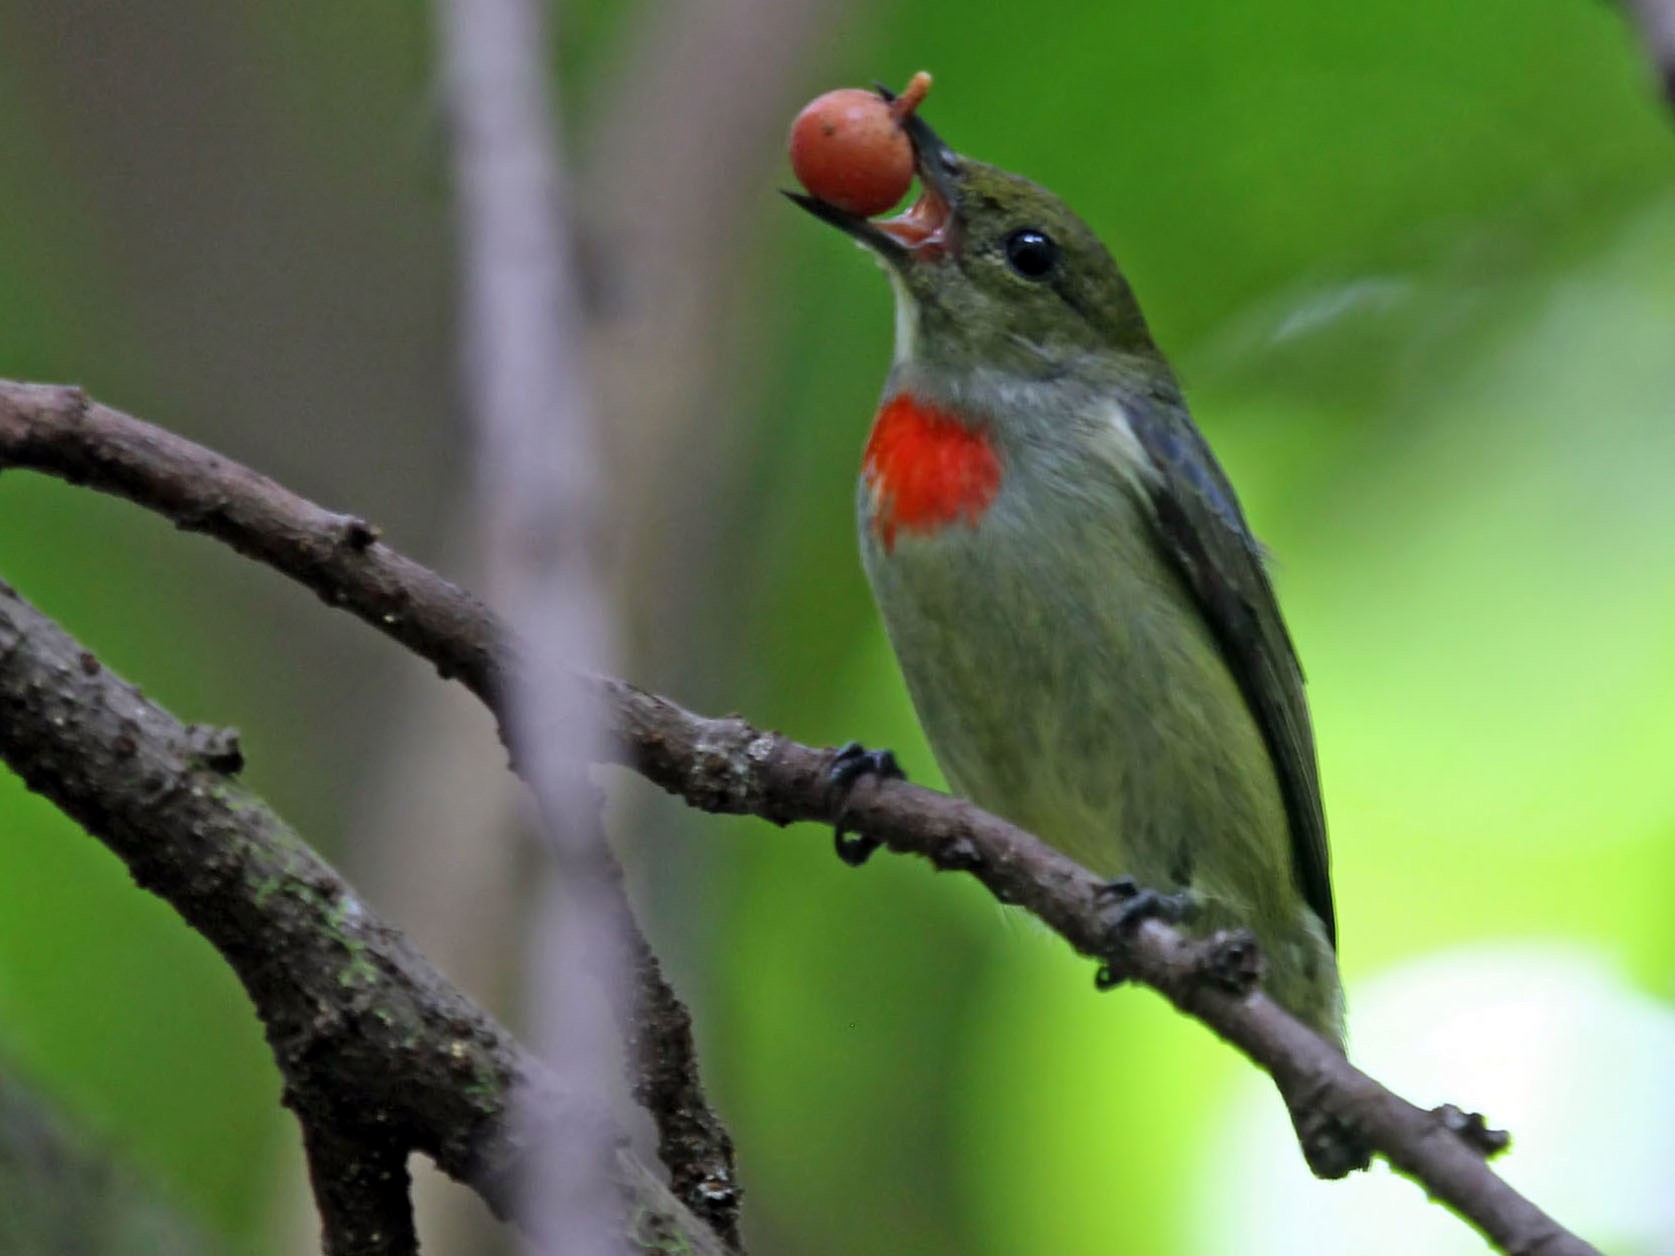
380	1055
727	765
59	432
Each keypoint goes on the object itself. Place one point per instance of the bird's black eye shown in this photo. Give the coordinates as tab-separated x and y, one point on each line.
1032	253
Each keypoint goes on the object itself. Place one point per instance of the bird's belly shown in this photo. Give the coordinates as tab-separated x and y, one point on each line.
1071	686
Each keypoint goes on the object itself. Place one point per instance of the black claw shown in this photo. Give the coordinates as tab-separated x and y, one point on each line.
1120	888
1127	903
1473	1130
853	848
1132	903
849	764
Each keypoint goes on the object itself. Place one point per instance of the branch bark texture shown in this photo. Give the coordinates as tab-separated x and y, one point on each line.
727	765
362	1191
380	1055
59	432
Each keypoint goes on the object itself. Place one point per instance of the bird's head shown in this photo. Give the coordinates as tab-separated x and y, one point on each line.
991	270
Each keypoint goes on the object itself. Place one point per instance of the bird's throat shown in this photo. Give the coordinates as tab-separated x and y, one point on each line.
927	468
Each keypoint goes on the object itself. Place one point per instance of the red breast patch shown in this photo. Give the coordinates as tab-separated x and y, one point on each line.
925	469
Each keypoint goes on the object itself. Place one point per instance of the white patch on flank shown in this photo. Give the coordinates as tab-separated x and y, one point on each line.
1127	452
907	319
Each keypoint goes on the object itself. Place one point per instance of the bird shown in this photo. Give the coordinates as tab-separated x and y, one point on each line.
1082	615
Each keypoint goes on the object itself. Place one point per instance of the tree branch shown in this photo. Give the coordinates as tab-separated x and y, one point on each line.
362	1191
59	432
380	1055
727	765
692	1142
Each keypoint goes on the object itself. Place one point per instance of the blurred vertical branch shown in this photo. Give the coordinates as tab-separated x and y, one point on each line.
539	494
674	171
1655	20
696	104
536	473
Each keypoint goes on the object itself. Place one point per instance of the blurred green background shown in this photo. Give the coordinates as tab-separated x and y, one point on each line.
1416	263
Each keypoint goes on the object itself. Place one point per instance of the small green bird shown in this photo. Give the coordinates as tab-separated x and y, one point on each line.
1077	604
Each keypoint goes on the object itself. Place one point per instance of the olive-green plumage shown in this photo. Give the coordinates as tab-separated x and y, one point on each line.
1097	655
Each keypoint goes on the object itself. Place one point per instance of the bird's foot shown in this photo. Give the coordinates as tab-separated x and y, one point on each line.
1127	904
850	762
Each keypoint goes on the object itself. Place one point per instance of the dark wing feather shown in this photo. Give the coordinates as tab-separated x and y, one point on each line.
1204	533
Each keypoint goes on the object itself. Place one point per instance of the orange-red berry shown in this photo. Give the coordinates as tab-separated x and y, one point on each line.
848	148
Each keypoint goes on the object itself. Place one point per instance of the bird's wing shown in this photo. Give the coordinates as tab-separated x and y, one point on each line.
1203	531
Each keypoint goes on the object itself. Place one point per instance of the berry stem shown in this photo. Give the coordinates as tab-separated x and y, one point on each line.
902	107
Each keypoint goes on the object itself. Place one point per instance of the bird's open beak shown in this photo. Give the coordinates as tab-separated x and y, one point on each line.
924	229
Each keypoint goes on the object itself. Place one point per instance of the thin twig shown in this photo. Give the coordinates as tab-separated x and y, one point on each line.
380	1055
727	765
691	1140
362	1190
